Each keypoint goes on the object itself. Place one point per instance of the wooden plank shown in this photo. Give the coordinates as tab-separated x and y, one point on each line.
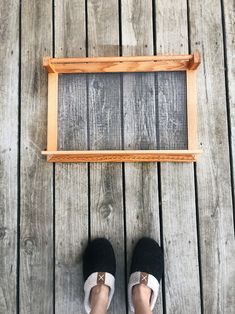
9	70
172	112
52	115
228	7
123	152
139	111
71	180
36	238
52	61
213	172
138	66
72	128
182	288
192	109
106	192
104	111
122	156
71	236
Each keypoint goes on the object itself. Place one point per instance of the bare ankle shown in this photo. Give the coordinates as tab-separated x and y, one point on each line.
99	298
141	295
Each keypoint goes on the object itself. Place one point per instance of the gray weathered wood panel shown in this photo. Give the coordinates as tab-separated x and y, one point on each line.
104	108
229	24
139	114
36	238
71	187
213	171
106	190
72	111
103	28
139	111
177	182
70	28
171	110
71	237
9	70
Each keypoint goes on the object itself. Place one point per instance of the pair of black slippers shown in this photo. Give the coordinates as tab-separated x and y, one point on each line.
99	267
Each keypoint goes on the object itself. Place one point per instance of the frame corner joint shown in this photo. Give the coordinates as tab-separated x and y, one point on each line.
195	61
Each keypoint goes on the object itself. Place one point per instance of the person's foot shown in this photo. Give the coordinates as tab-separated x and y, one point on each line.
99	267
142	293
99	298
146	273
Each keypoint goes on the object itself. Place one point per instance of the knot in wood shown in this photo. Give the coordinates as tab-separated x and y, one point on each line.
29	246
106	210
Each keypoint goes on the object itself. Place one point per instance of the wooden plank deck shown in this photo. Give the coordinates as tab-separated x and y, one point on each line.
71	213
49	212
177	185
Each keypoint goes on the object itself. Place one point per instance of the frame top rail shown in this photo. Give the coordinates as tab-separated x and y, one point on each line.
123	64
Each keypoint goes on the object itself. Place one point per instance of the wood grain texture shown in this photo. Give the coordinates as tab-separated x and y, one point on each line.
213	171
122	156
9	70
134	66
171	110
71	199
52	115
177	184
72	109
139	109
229	11
106	191
70	29
36	238
191	77
103	28
52	61
104	111
71	236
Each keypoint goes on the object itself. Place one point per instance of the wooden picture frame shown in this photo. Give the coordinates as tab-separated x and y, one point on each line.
56	66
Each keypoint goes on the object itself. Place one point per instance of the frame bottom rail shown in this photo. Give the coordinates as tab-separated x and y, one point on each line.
123	156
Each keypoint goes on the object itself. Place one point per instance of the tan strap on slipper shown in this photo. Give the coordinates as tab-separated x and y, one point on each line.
146	279
96	279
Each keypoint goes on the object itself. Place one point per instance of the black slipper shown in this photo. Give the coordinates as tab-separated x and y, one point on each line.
146	268
99	267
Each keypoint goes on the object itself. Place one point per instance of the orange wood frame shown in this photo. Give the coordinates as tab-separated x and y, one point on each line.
55	66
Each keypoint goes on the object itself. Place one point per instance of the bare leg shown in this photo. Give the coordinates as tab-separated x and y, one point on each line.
141	299
99	299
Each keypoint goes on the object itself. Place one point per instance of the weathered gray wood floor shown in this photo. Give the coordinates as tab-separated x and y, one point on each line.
48	212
